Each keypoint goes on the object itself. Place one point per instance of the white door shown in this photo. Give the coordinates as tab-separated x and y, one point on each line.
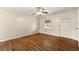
68	27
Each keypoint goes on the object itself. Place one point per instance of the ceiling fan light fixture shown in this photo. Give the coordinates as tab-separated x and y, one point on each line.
39	11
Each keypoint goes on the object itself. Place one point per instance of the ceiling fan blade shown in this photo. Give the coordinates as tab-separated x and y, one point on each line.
33	13
45	12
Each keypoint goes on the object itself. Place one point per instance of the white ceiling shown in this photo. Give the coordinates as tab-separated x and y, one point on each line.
28	10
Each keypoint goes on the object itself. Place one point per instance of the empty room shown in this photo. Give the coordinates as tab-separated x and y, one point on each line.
39	29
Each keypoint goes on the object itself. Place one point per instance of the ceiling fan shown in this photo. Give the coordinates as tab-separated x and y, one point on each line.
39	11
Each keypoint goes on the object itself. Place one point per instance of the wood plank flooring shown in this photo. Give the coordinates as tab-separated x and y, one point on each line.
40	42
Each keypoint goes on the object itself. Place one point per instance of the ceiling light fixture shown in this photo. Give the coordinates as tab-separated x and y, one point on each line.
39	11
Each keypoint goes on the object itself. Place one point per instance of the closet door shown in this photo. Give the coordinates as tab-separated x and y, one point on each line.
68	25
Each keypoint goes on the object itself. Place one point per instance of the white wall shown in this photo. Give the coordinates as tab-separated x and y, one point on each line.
13	25
78	23
55	23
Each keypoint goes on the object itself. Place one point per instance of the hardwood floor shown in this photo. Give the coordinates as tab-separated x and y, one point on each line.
40	42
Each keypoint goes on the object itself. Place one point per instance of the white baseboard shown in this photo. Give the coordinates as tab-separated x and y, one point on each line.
2	40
